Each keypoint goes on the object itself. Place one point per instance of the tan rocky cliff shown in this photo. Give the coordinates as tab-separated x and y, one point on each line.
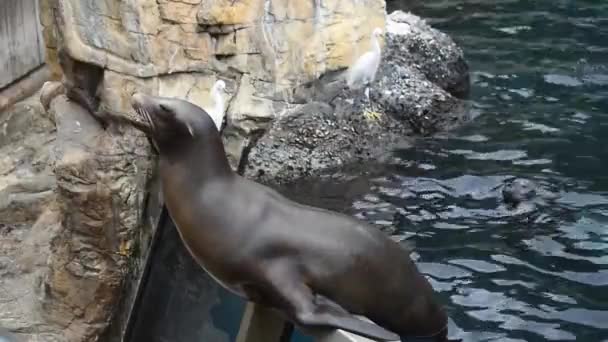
263	49
71	202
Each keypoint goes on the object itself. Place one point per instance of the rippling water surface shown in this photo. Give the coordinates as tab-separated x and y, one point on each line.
540	93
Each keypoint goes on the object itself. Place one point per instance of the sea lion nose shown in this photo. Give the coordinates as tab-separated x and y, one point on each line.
137	99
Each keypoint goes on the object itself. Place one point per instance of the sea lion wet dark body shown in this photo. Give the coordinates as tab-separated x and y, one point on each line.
317	267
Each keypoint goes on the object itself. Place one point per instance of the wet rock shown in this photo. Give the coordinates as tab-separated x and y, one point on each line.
419	67
406	95
428	50
314	139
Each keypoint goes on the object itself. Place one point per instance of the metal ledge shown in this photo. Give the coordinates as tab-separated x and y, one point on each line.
260	324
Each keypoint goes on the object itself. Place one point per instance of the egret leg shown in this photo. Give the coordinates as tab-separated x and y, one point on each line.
371	115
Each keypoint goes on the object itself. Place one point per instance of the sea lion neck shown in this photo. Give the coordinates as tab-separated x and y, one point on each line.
203	159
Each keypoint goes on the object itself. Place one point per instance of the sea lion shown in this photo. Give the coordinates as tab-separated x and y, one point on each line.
319	268
518	190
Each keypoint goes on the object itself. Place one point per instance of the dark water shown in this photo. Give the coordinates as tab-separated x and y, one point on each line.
540	93
540	90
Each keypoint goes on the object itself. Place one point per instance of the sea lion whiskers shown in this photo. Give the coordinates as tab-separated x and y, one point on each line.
190	130
144	112
141	114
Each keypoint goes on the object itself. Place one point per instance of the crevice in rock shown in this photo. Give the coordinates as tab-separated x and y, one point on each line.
81	81
252	140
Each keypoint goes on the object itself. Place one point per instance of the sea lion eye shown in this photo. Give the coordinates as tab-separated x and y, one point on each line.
165	108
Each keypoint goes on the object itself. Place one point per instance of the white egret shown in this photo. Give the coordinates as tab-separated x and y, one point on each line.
363	72
218	111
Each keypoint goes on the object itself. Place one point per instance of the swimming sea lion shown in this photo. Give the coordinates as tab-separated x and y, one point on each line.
319	268
518	190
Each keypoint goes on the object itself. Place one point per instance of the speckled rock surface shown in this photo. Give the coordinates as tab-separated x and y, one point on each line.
28	217
406	95
433	53
314	139
71	198
419	68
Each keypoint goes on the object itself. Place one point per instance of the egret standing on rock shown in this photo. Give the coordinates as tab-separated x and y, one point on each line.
363	72
218	112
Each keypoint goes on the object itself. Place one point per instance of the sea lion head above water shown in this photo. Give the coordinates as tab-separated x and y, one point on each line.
518	190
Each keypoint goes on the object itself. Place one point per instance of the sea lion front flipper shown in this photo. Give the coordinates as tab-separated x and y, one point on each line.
297	300
351	323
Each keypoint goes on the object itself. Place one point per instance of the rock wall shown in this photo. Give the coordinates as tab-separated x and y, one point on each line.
29	216
263	49
71	228
101	183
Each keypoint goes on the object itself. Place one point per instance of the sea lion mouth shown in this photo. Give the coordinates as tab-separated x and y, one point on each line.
138	102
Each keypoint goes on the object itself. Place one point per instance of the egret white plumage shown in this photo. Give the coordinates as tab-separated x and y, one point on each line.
363	72
218	112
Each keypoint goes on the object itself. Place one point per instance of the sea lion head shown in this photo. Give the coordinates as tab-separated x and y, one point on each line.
172	120
518	190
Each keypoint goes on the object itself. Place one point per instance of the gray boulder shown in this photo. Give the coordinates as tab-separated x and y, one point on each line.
421	74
